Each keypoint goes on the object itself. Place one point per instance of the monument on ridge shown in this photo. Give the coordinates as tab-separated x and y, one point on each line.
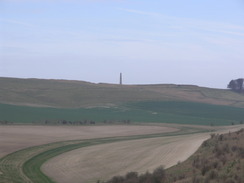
120	79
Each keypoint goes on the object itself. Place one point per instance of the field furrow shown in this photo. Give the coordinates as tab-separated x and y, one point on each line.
24	166
92	163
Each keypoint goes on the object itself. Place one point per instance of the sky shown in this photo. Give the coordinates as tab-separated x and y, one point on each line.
198	42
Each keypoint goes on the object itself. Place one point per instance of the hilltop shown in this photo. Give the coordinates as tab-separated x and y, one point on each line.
77	94
78	102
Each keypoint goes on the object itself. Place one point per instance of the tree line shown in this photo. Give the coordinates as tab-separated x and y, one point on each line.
83	122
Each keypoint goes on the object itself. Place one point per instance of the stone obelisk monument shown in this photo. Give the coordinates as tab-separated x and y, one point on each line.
120	79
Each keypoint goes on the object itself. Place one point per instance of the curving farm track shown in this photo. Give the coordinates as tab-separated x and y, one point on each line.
25	165
103	161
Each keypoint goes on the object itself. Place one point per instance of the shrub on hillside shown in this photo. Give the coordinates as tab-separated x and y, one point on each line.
220	159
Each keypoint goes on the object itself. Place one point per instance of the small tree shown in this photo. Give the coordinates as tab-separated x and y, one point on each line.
236	85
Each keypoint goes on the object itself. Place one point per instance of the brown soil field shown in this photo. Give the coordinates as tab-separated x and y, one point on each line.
90	164
104	161
16	137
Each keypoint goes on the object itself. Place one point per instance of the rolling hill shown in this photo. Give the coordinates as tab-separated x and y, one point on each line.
76	94
38	100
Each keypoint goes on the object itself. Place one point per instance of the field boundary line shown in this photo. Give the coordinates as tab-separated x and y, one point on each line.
24	166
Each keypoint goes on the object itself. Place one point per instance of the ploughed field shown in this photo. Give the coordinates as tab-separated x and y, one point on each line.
73	131
88	153
16	137
102	162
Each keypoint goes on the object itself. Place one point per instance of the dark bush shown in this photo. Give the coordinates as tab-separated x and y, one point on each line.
230	180
234	148
116	179
197	179
131	175
213	174
205	169
221	137
159	174
241	152
145	178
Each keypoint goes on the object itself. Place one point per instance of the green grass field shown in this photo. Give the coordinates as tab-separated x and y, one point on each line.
20	101
162	112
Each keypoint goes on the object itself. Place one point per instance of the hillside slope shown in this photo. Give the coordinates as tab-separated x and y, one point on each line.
219	159
75	94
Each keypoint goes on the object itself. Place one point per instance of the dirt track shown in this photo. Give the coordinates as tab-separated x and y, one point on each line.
90	164
103	161
13	138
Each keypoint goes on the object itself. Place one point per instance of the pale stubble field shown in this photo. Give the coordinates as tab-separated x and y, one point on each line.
104	161
88	164
16	137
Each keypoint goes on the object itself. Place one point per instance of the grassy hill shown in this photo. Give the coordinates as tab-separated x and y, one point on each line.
75	94
36	100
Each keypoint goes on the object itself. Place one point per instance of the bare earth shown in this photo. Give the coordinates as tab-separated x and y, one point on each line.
104	161
13	138
101	162
89	164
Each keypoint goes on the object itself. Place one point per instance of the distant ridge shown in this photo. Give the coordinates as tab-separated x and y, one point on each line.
75	94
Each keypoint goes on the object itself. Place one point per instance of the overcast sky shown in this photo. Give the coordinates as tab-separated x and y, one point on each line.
198	42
